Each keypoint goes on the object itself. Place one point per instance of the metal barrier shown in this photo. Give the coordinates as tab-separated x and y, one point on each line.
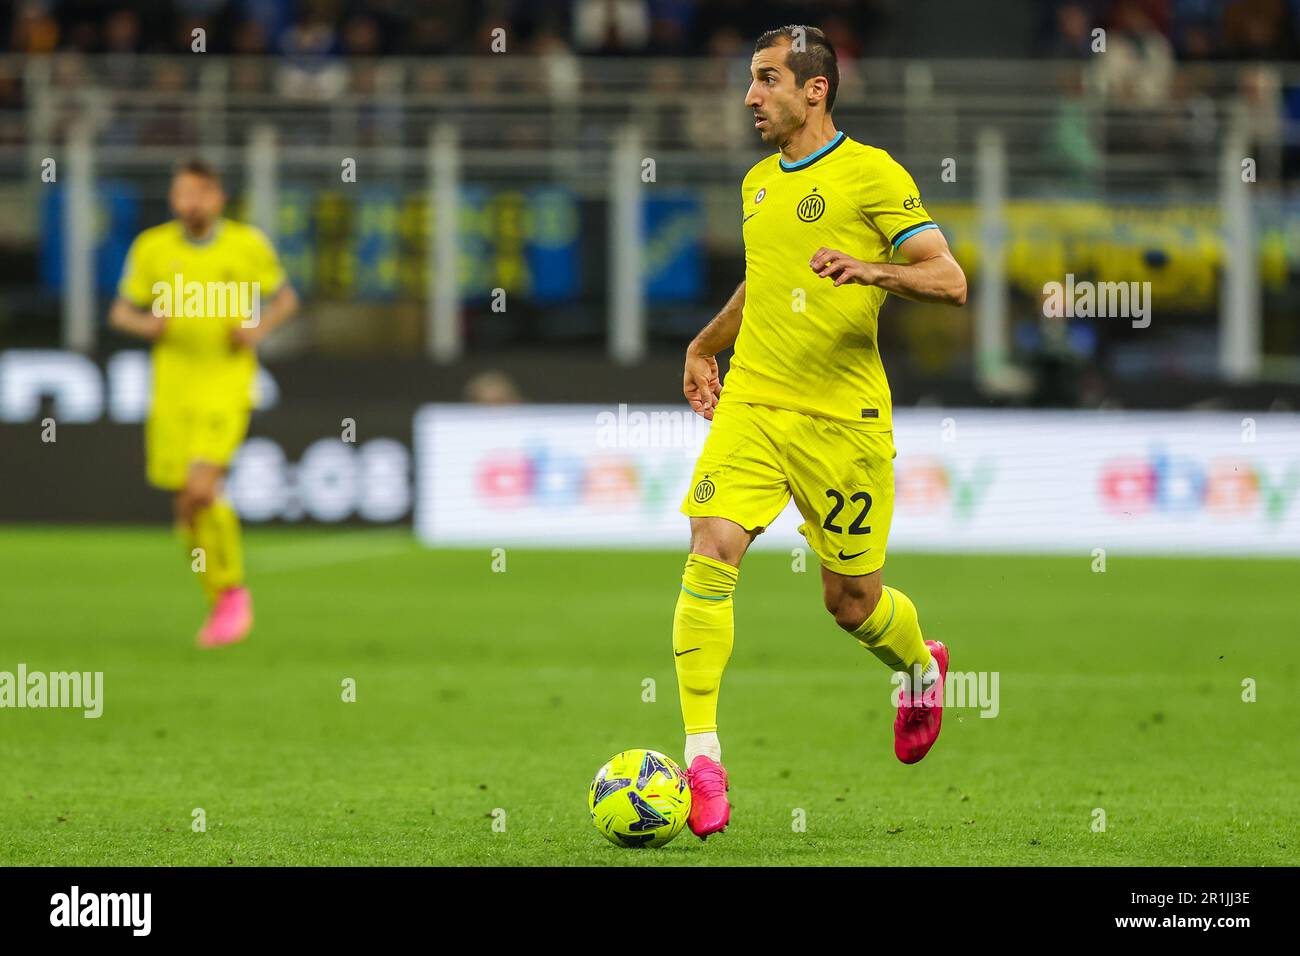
588	125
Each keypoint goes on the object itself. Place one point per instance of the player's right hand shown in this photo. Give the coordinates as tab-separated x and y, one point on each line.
154	327
701	383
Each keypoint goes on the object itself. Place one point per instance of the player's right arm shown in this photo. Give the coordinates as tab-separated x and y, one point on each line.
132	310
141	323
701	383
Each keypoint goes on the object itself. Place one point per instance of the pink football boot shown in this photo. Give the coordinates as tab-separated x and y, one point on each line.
710	811
916	727
231	619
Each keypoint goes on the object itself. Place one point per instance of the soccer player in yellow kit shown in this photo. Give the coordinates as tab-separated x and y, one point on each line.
806	408
205	291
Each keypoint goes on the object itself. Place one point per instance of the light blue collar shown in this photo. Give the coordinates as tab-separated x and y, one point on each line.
809	160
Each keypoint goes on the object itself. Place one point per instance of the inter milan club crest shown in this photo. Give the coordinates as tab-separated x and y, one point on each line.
704	490
811	207
758	196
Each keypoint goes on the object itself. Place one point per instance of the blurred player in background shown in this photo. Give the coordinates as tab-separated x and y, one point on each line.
807	410
205	291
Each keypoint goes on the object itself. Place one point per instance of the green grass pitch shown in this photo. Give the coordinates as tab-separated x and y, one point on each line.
480	692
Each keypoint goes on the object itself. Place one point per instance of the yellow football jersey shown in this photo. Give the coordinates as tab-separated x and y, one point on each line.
207	289
804	344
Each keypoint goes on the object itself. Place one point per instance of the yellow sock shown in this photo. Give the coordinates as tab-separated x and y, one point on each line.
893	633
191	539
703	633
216	529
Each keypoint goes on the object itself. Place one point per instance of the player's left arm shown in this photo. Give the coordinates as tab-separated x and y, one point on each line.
282	307
269	275
931	274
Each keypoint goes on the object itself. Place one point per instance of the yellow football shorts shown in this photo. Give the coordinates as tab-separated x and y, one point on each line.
175	438
757	457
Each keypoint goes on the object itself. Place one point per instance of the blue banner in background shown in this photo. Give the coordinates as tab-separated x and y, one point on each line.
376	243
117	213
295	240
673	257
372	245
523	241
553	250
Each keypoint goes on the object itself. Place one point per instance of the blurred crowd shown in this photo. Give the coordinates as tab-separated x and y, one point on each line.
1181	29
1158	79
1168	29
402	27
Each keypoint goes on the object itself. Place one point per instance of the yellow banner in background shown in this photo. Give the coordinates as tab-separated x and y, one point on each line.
1178	249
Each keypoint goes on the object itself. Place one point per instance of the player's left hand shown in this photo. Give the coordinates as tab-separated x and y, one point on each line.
842	267
247	338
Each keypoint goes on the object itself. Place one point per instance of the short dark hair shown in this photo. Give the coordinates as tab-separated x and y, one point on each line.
816	59
197	167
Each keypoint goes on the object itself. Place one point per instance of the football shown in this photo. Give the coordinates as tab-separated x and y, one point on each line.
640	798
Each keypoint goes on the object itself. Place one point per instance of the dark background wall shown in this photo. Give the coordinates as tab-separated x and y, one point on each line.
965	28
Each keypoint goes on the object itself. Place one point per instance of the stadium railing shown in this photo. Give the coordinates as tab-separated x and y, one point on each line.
996	143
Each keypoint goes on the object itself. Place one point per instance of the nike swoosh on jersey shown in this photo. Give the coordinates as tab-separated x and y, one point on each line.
850	557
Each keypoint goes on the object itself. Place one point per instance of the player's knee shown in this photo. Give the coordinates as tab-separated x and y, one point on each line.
719	547
849	613
182	508
849	604
718	552
199	495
